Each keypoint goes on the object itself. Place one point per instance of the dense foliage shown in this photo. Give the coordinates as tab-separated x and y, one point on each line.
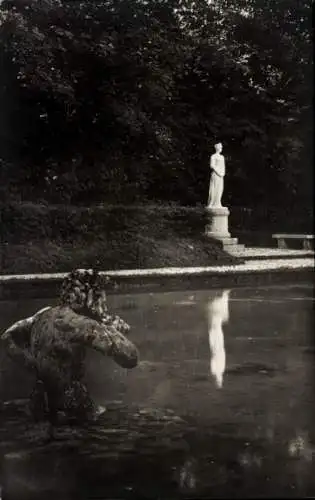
121	100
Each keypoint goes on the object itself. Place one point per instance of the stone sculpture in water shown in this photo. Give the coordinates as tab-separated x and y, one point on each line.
52	344
216	187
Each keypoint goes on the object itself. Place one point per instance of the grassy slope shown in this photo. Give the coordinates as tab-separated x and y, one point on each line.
59	239
118	253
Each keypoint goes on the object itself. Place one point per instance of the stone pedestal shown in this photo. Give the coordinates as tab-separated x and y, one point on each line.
217	222
217	227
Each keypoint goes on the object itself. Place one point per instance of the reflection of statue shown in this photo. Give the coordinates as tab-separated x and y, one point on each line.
217	165
218	313
187	475
300	447
52	344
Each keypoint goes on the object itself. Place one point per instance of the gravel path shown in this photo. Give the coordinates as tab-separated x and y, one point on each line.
270	252
250	266
256	260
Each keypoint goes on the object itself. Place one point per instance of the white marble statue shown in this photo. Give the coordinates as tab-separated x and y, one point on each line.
217	166
218	313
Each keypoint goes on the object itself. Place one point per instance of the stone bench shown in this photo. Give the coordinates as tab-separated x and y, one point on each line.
306	239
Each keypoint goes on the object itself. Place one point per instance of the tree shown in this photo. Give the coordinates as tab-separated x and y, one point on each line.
122	100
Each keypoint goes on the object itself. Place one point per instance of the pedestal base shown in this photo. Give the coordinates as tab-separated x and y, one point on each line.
217	227
217	222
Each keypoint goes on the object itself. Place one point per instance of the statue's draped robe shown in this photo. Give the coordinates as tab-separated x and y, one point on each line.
217	165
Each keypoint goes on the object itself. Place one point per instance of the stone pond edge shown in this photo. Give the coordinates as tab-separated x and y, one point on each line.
252	266
251	273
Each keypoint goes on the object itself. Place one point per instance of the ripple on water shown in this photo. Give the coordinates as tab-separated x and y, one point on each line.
253	368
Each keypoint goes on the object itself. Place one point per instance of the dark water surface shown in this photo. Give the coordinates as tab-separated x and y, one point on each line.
221	404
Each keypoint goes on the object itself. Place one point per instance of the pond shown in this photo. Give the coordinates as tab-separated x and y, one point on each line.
220	405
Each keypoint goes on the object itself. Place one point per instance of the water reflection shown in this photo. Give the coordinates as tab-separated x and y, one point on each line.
300	447
132	452
187	475
163	436
218	314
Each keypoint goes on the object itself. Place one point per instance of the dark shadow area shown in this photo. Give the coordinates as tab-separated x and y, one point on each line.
138	453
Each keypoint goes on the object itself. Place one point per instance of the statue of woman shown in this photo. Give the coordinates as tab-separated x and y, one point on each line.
217	165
